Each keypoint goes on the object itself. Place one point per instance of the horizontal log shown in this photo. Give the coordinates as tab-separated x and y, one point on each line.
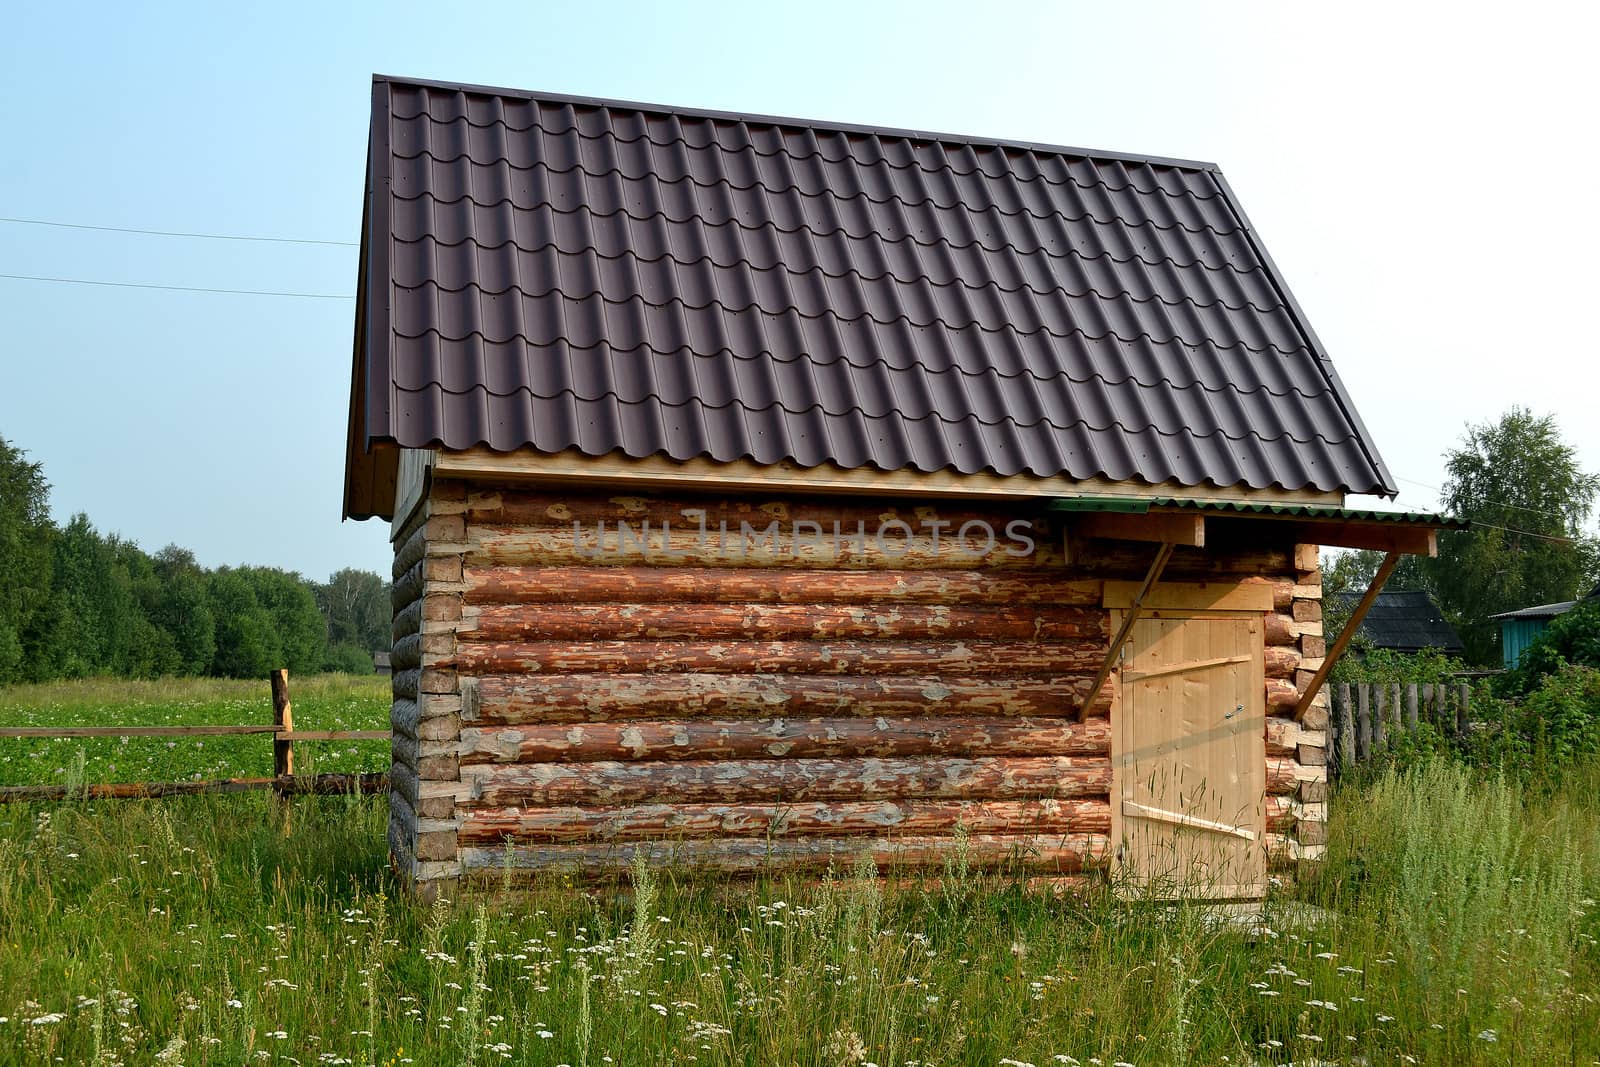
1110	559
646	822
134	731
409	552
1283	776
335	735
1281	695
1279	661
403	684
1031	852
286	784
589	545
534	508
568	698
407	620
407	587
785	739
712	781
777	622
489	584
1281	630
406	653
787	657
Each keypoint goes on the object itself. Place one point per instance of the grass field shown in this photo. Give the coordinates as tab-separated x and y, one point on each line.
242	929
324	702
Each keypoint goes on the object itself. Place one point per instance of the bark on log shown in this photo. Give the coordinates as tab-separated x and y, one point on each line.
647	822
533	508
1120	560
1040	853
650	585
406	653
407	587
711	781
1282	776
778	622
1280	662
1281	630
1281	695
407	621
683	739
568	698
787	657
587	545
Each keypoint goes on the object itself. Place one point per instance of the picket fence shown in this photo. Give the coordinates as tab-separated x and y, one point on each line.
1368	717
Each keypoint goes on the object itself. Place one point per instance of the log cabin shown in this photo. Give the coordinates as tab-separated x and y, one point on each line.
766	492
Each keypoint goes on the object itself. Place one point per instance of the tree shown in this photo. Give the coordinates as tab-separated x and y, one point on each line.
355	604
287	598
246	644
183	610
25	536
1521	486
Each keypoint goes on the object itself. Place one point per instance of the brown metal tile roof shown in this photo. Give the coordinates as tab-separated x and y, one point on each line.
568	274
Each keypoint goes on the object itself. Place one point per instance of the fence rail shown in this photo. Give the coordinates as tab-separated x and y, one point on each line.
1367	718
283	781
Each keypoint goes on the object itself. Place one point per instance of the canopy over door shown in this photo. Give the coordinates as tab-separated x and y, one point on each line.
1190	757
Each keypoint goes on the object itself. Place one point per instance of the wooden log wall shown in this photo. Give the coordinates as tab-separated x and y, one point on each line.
748	685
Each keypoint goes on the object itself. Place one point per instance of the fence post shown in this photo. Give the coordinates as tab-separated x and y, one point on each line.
1411	707
1347	733
1380	733
1364	722
1463	721
283	719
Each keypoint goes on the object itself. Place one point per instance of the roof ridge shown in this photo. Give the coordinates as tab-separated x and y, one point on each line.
796	122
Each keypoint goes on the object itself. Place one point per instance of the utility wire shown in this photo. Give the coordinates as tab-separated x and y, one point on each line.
177	288
179	233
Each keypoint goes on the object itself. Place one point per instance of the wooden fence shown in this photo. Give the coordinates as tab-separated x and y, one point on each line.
284	781
1367	718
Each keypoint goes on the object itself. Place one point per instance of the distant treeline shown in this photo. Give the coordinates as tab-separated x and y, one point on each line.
76	602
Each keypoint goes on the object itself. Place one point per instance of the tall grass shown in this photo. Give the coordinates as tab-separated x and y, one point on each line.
234	929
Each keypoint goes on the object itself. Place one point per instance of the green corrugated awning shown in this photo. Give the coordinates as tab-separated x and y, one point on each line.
1246	508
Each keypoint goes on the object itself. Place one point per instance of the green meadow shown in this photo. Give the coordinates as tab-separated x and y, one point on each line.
1453	922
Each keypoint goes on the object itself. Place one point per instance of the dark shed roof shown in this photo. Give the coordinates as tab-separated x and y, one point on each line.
569	274
1405	621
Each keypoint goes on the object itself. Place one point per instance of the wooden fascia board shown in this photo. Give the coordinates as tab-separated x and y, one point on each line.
1174	528
1407	538
569	468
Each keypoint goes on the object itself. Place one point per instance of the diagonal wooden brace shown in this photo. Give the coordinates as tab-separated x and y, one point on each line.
1135	609
1385	569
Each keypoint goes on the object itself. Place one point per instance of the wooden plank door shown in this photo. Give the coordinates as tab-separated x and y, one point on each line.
1189	757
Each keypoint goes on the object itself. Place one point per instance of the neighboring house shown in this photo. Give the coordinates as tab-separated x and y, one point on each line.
766	493
1519	629
1404	621
380	662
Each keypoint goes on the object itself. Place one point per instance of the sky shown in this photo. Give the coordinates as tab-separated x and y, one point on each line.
1418	172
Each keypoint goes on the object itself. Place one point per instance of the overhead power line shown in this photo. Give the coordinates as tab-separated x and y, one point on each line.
180	233
177	288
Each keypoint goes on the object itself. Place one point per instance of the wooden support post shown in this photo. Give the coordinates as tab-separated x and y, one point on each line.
283	719
1385	569
1163	554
